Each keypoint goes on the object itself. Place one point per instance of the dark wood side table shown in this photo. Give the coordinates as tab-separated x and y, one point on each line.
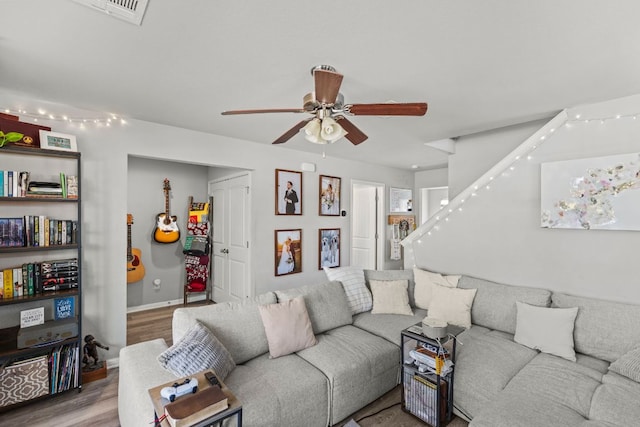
234	409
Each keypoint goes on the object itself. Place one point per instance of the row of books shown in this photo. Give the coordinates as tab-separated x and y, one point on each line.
37	230
17	184
13	183
64	368
421	397
36	278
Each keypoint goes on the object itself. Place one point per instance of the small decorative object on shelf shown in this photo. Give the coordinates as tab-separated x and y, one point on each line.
9	137
90	359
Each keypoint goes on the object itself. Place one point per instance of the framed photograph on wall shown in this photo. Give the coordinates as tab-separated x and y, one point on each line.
329	247
329	195
288	192
57	141
288	251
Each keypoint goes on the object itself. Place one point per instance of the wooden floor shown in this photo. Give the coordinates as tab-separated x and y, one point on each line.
97	404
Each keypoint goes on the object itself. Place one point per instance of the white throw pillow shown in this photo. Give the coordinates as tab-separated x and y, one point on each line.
549	330
425	281
352	279
453	305
197	351
390	297
287	327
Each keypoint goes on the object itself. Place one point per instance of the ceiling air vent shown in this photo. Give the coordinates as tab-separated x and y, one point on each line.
126	10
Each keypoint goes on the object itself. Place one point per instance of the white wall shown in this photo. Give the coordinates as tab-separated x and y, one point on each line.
475	154
105	187
497	235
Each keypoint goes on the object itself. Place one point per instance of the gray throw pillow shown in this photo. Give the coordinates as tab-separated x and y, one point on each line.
198	350
628	365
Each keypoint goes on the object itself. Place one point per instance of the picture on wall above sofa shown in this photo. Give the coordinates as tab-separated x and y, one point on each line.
288	251
329	250
601	193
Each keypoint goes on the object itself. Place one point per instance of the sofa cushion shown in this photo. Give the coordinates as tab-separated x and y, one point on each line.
264	387
495	304
452	305
370	275
616	401
604	329
628	365
360	367
390	297
237	325
425	281
388	326
549	330
326	304
352	279
287	326
196	351
548	391
485	363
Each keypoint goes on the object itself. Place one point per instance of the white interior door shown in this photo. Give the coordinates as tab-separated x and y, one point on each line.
366	239
230	239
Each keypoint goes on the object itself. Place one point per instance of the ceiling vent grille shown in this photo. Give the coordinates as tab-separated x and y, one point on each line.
127	10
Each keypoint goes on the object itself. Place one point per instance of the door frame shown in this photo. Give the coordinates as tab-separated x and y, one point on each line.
380	220
251	291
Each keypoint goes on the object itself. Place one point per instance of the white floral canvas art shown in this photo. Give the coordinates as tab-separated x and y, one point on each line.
601	193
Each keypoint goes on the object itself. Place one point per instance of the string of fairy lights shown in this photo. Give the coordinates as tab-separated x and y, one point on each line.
41	114
505	167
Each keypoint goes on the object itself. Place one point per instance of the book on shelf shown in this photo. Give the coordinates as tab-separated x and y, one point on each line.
72	187
421	397
193	408
44	188
11	232
8	282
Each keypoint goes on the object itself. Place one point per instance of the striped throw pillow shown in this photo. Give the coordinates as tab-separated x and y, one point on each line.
352	279
628	365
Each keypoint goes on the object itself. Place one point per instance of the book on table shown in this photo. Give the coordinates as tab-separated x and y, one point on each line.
193	408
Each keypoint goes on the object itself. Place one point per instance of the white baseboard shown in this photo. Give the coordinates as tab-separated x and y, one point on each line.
113	363
164	304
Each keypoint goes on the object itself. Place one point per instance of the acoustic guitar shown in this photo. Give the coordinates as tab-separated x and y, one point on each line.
166	225
135	269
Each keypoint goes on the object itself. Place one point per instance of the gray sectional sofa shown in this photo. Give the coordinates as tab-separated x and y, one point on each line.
357	359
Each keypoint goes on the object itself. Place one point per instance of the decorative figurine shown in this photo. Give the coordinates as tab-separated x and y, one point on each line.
90	358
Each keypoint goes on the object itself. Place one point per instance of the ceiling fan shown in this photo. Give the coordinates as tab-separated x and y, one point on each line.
326	105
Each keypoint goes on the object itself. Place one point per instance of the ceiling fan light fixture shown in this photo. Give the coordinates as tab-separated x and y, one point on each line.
331	131
312	131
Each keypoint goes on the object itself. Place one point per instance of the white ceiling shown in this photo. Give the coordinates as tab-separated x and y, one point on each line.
478	64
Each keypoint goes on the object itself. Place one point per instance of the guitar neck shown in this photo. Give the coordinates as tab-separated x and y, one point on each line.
167	215
129	256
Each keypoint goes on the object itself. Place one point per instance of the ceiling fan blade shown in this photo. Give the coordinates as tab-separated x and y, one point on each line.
269	110
402	109
327	85
291	132
355	135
